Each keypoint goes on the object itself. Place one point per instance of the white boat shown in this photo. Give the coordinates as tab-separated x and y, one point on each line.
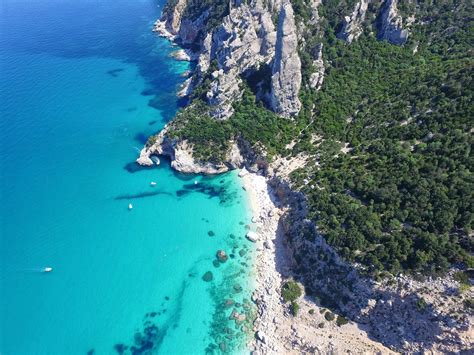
153	183
47	269
130	206
195	182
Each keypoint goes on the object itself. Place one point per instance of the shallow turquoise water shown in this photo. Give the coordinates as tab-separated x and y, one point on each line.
76	81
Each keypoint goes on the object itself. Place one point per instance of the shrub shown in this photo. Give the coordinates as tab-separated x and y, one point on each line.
291	291
151	140
421	304
341	321
469	303
311	311
329	316
321	325
294	308
462	278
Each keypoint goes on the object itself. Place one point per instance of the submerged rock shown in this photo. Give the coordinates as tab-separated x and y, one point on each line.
229	303
208	276
238	317
237	288
222	256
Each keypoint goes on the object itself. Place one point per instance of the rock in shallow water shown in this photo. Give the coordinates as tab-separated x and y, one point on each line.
222	256
252	236
208	276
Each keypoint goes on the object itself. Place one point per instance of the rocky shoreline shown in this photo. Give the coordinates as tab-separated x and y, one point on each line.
277	331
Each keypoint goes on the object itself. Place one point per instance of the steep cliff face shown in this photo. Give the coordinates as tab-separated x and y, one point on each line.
391	24
233	40
175	26
352	25
286	73
244	40
173	22
316	78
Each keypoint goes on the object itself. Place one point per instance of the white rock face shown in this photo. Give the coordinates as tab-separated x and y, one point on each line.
174	22
391	28
286	73
186	88
245	39
352	25
173	26
316	78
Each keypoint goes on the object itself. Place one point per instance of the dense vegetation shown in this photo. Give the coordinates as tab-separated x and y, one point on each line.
400	196
251	122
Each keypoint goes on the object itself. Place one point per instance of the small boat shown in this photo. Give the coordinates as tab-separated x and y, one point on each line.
47	269
195	182
153	183
130	206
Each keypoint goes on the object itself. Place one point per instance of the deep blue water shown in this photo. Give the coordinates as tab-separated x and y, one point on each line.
76	80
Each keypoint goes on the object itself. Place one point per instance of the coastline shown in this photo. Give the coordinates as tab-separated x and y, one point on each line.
276	330
390	315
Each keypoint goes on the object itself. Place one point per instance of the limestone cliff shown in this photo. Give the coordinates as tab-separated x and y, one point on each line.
243	41
256	33
352	26
286	74
391	24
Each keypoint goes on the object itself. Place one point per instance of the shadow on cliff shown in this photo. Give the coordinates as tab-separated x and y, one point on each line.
392	315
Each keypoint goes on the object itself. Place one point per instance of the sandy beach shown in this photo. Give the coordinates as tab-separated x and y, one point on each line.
277	330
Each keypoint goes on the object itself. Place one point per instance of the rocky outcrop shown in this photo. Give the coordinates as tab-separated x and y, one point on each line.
352	24
186	88
286	73
245	39
391	24
174	26
180	152
173	22
316	78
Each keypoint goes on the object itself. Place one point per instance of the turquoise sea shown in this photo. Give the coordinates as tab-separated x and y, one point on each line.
82	85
